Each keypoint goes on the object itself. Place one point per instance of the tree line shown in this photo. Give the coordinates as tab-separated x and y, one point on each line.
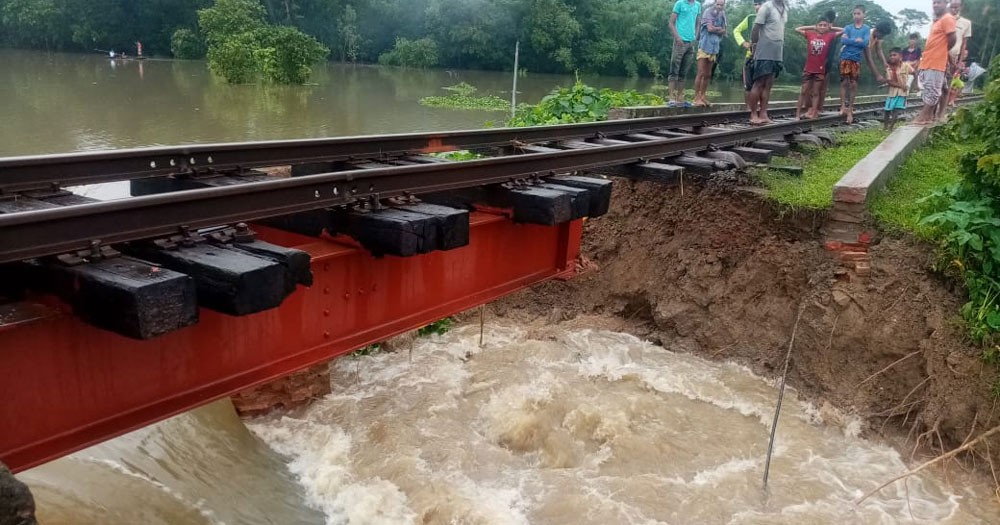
611	37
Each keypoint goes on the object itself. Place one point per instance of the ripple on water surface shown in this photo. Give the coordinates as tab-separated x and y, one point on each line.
583	427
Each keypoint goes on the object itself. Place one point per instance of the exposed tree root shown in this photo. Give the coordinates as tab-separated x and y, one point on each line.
948	455
894	363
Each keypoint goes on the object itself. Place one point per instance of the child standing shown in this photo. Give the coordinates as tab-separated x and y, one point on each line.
897	75
856	39
819	40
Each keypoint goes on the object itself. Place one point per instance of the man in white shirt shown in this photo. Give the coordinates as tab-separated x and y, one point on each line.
963	32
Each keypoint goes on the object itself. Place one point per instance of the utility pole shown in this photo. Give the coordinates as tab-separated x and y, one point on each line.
513	92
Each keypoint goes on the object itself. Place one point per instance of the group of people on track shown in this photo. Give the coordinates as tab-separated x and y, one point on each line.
937	70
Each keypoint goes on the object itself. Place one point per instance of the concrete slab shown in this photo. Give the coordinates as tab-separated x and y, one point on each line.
871	174
846	229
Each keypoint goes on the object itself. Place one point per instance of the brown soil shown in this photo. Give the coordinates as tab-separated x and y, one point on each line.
722	274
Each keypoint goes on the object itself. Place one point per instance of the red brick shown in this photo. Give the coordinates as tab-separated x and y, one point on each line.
862	268
853	256
290	391
833	246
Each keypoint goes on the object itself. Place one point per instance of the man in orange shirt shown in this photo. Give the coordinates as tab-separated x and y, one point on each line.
934	61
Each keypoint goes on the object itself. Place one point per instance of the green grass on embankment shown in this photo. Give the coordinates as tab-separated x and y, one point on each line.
930	168
822	168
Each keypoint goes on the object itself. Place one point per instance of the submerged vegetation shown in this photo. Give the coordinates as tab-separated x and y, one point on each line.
462	88
462	98
420	53
243	47
580	103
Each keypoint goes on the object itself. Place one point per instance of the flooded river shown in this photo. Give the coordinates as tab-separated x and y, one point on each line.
550	427
60	102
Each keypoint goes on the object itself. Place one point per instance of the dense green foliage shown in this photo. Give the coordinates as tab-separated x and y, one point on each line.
185	43
580	103
616	37
244	47
967	220
422	53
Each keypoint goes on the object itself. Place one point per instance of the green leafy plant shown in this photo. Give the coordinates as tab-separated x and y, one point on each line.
580	103
371	349
966	217
185	43
439	327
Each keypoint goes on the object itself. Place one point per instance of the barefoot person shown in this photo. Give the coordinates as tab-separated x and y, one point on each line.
713	28
897	75
963	32
742	36
856	38
768	39
934	62
819	42
683	26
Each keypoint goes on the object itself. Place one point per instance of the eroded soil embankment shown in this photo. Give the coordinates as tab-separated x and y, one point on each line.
723	275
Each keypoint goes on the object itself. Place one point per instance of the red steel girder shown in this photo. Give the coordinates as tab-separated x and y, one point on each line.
66	385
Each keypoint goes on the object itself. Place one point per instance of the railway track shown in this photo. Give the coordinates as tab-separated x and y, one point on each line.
41	219
386	192
41	172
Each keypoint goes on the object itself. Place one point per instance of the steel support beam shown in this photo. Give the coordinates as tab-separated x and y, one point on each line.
67	385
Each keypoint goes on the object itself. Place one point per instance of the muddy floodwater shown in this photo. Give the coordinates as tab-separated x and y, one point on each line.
61	102
549	426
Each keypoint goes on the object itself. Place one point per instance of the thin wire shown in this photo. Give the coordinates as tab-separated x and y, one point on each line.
781	396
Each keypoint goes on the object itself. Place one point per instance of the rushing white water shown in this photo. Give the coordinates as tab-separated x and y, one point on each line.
202	467
549	427
584	427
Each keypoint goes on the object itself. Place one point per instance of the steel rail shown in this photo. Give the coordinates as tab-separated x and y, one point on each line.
39	172
60	230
